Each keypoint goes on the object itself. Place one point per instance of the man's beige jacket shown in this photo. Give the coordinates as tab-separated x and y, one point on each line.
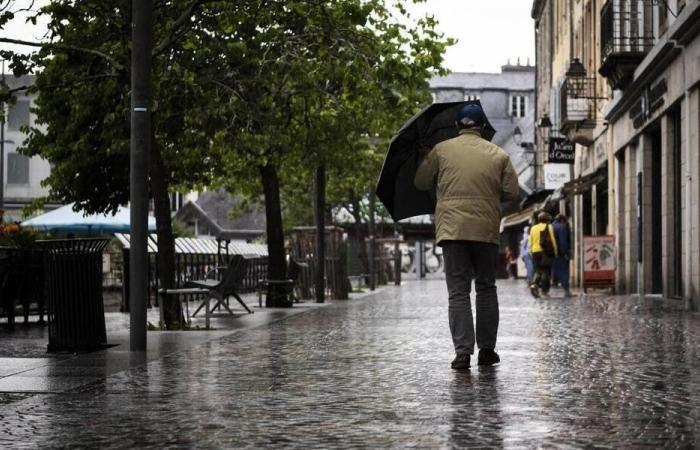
473	177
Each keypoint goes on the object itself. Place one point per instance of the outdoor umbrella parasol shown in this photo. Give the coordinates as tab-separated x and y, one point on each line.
395	188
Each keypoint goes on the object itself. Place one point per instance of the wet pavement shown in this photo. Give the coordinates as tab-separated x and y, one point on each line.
609	372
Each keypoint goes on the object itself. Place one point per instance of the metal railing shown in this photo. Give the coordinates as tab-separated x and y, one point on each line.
626	26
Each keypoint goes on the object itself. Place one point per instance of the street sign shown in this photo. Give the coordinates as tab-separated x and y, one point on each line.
598	261
556	175
561	150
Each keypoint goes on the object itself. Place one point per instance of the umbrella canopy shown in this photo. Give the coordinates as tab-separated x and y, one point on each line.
395	188
64	219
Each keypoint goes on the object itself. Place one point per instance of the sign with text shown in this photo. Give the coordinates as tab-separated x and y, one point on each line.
598	261
556	175
561	150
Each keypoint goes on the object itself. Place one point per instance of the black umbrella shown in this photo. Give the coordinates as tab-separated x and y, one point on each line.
395	188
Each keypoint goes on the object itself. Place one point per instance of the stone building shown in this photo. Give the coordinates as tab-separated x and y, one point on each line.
618	80
21	175
508	100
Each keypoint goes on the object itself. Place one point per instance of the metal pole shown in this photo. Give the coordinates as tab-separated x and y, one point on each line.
320	232
140	147
372	270
2	156
2	144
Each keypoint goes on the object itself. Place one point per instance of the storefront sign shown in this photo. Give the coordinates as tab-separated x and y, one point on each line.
556	175
598	261
561	150
649	101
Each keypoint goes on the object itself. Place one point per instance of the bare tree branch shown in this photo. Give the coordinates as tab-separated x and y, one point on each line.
113	62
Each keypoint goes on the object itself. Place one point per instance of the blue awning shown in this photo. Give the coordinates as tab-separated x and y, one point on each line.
66	220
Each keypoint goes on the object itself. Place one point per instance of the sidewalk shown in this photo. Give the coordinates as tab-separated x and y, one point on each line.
609	372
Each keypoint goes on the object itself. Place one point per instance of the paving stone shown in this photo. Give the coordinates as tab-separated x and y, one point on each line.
608	372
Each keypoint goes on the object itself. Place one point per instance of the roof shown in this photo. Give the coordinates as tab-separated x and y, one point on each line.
212	209
199	246
218	205
511	81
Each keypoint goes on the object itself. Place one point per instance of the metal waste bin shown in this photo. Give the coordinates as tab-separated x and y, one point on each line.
73	272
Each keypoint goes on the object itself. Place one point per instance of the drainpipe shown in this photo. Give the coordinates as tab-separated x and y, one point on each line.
688	180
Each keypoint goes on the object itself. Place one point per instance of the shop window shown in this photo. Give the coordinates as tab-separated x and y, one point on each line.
17	169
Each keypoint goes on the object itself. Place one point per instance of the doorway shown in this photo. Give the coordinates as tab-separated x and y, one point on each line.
656	219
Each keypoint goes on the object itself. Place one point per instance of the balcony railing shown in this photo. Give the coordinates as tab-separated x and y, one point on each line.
626	37
578	107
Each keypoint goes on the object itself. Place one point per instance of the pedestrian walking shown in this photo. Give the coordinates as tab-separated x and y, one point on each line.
473	177
543	247
560	265
525	254
511	263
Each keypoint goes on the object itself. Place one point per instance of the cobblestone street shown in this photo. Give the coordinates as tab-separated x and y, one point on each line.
598	371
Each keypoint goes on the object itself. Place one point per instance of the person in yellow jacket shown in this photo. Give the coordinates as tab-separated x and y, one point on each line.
473	177
543	248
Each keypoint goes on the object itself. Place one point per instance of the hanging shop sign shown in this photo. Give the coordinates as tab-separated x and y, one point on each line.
561	150
598	261
556	175
651	99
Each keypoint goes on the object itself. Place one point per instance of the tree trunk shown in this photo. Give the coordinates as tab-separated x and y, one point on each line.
372	268
172	312
359	232
320	282
277	262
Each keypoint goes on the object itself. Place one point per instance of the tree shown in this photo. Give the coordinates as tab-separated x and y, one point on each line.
315	79
83	111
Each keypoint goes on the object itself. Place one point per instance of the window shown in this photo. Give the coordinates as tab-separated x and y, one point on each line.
18	115
518	105
17	169
471	97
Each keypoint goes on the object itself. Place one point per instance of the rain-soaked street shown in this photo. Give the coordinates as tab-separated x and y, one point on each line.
583	372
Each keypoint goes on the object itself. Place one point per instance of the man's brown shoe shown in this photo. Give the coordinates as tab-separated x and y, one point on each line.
461	361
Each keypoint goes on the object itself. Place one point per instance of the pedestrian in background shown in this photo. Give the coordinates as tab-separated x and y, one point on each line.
473	177
543	247
560	265
525	254
511	263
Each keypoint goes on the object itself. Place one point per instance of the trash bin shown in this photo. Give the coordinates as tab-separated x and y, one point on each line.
73	273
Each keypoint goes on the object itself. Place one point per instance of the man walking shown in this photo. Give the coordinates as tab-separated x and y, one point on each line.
560	265
473	177
543	248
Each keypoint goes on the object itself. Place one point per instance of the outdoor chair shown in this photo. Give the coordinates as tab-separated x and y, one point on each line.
219	289
289	285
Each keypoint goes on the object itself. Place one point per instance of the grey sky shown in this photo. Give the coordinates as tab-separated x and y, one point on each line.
489	31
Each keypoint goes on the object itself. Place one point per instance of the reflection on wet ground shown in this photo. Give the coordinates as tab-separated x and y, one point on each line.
611	372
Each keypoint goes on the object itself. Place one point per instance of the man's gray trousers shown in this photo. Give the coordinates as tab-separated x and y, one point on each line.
466	261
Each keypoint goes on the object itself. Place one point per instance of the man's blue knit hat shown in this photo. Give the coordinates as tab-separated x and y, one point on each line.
471	115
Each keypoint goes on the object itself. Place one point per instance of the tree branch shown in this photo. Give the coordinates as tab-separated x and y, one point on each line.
66	47
177	25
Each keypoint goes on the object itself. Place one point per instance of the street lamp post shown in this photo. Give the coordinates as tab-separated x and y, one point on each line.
3	85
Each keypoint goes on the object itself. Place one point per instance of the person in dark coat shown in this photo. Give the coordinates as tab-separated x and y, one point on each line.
560	265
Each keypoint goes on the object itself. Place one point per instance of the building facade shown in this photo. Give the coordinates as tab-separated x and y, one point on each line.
21	175
618	80
508	100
